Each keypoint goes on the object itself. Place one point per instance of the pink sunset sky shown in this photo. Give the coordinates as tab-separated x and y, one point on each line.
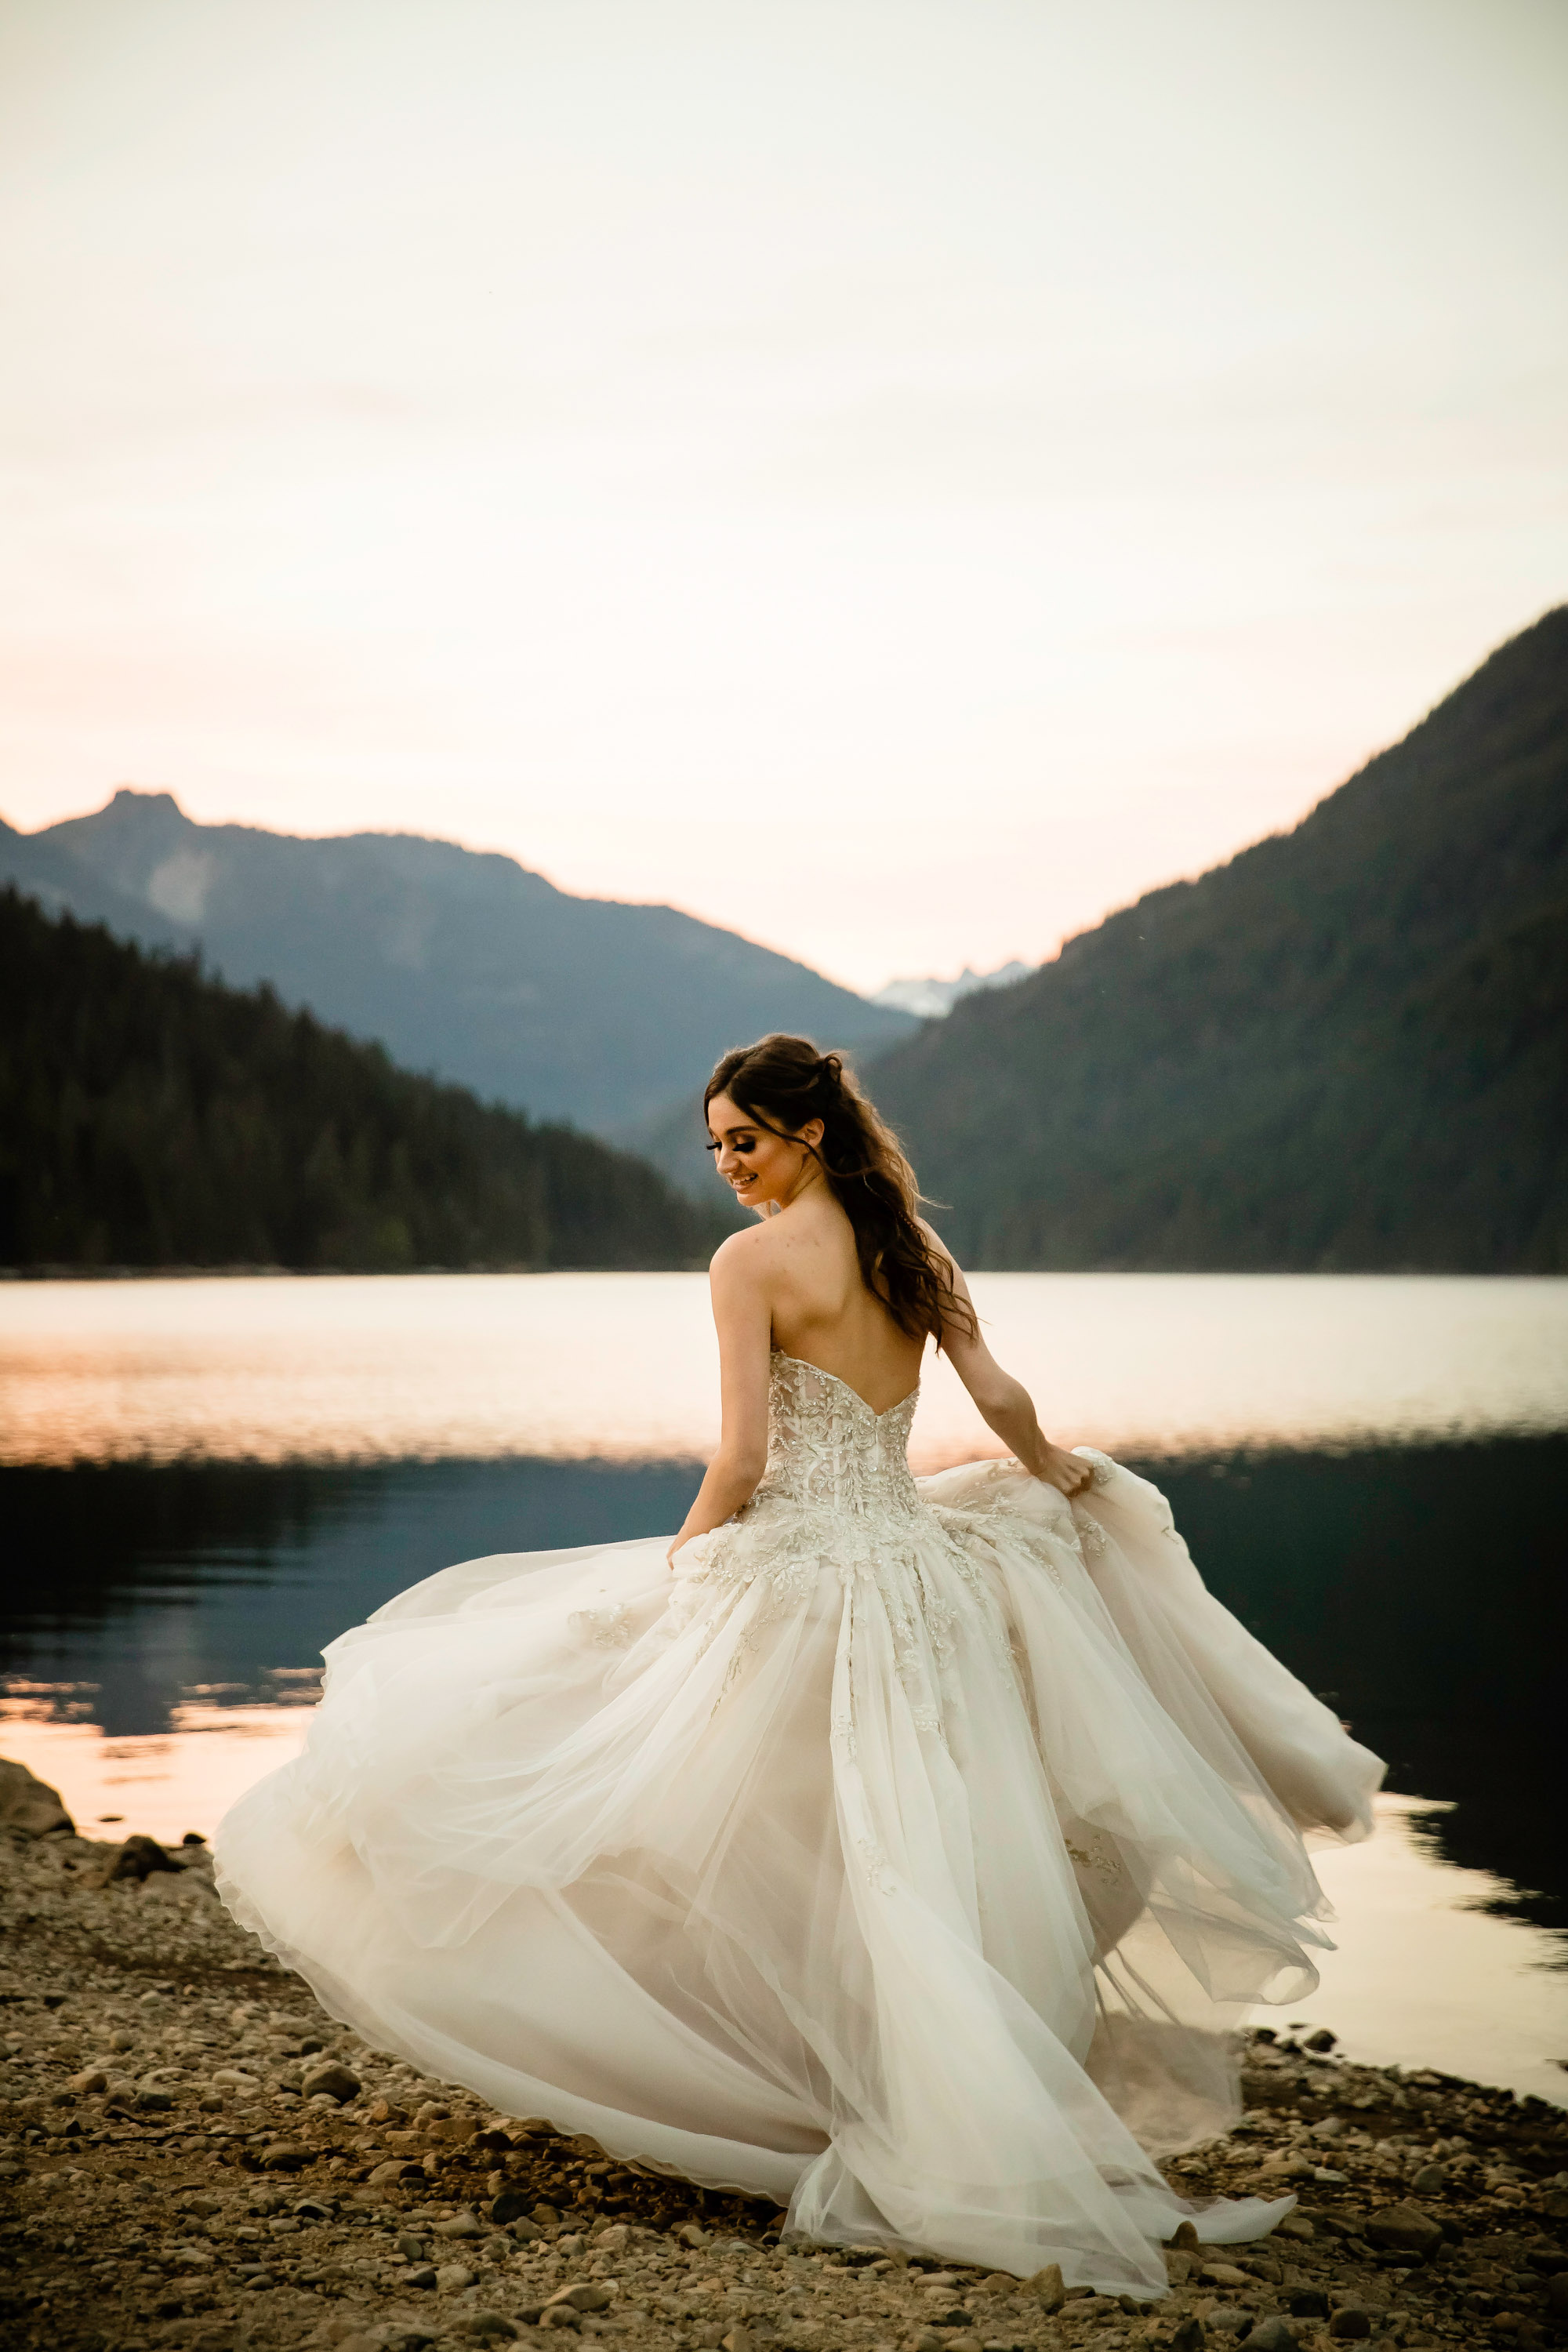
893	478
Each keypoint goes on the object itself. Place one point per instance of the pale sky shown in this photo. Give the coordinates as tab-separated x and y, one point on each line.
896	478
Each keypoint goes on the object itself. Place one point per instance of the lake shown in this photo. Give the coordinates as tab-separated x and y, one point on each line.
204	1480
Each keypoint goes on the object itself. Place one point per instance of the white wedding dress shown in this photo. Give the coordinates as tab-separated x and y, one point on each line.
902	1857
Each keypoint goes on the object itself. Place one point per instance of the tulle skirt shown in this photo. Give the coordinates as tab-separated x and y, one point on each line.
909	1870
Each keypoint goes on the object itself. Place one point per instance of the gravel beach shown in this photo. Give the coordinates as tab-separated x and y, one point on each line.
192	2153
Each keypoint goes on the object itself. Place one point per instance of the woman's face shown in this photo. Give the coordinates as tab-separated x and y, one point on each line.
762	1170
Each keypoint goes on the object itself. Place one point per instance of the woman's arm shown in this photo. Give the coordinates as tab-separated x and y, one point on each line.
743	1315
1004	1404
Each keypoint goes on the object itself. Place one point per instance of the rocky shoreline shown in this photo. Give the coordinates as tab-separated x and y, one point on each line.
193	2154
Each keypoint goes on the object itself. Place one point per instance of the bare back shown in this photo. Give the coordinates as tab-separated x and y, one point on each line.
821	1309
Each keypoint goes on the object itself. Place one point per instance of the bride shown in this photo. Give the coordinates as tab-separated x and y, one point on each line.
898	1850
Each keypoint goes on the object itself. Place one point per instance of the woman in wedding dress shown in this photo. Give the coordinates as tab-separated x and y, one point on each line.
898	1850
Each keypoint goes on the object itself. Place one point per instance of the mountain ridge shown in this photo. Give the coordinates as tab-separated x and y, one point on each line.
151	1117
1270	1066
463	962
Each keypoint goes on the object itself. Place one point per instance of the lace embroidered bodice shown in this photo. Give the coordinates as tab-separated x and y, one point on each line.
827	1448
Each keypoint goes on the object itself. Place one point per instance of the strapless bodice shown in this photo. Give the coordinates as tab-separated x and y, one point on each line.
827	1448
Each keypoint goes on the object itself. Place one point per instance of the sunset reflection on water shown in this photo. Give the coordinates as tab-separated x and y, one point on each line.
624	1367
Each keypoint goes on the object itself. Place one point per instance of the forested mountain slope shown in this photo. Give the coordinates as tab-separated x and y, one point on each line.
151	1116
461	963
1347	1048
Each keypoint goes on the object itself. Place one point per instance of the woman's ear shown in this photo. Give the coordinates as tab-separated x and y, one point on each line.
812	1132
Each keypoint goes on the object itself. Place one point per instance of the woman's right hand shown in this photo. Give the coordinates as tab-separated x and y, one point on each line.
1069	1473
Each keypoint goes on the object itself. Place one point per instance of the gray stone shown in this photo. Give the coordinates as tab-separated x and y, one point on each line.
1189	2335
452	2277
330	2081
29	1805
283	2155
1350	2323
1048	2285
138	1858
1430	2182
1403	2229
461	2225
1272	2334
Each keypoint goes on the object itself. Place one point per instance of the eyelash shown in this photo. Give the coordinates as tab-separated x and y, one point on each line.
749	1145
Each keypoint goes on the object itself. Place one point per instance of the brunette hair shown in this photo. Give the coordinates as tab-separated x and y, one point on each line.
781	1083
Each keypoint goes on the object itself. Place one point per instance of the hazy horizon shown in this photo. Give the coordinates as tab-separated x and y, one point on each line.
893	479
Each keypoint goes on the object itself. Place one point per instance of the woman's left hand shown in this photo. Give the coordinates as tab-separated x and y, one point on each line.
1069	1473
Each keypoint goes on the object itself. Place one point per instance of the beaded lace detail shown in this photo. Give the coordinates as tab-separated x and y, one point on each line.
826	1445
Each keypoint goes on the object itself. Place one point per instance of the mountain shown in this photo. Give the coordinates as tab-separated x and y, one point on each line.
461	963
1346	1048
151	1117
929	999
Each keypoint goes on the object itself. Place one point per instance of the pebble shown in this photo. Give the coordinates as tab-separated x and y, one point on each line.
1443	2219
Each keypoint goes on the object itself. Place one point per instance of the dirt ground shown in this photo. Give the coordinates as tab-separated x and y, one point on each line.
192	2153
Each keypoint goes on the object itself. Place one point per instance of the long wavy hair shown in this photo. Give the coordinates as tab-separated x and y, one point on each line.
784	1082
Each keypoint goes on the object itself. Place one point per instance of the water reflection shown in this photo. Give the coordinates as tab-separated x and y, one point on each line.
1415	1586
623	1366
203	1482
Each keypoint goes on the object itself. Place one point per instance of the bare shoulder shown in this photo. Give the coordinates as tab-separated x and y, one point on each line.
938	1245
740	1259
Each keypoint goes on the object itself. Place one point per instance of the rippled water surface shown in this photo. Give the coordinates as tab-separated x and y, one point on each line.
203	1481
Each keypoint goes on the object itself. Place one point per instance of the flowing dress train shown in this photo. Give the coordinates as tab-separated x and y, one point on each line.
904	1857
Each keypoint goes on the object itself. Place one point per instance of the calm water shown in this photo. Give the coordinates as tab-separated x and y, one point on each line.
204	1481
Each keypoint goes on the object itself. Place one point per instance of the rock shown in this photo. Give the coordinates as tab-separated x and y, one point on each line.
1272	2334
465	2224
488	2326
396	2167
1403	2229
452	2277
1224	2319
411	2248
29	1805
1350	2322
1321	2040
1430	2182
583	2294
559	2315
690	2233
423	2275
1295	2225
335	2080
509	2207
138	1858
91	2080
1222	2274
1329	2127
1189	2335
1048	2285
928	2340
1288	2164
1557	2299
738	2340
1307	2303
150	2096
283	2155
1186	2238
